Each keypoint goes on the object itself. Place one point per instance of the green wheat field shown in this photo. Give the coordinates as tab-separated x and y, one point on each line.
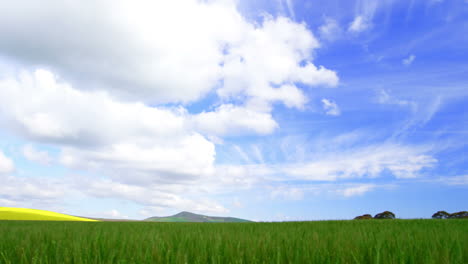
354	241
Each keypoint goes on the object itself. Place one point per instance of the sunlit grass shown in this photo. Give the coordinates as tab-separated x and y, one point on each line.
11	213
374	241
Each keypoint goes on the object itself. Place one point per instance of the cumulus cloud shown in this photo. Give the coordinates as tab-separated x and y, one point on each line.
282	45
131	143
6	164
35	155
59	113
31	191
234	120
95	85
164	53
330	107
95	131
140	51
149	195
408	61
40	192
126	141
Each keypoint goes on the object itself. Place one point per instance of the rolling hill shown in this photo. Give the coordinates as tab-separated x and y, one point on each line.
12	213
191	217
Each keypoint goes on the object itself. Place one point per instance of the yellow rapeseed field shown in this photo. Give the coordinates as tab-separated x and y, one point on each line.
12	213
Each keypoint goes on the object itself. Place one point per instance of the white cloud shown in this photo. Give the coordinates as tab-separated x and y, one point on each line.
35	155
140	50
384	97
113	214
96	131
228	119
401	161
334	164
408	61
6	164
8	203
237	203
124	140
359	24
365	11
121	139
452	180
257	153
190	158
236	177
330	107
160	52
149	195
27	191
286	7
356	190
289	193
242	154
290	5
457	180
100	117
282	45
43	192
59	113
301	191
330	30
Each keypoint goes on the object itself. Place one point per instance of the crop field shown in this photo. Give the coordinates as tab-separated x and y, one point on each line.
11	213
354	241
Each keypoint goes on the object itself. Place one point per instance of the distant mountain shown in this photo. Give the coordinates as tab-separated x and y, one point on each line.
191	217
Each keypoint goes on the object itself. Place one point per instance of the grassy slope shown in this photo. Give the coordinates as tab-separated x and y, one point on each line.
384	241
11	213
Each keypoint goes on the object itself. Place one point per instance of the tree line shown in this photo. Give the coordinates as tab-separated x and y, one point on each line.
445	215
437	215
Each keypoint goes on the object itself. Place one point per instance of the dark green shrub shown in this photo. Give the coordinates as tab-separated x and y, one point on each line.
385	215
461	214
363	217
440	215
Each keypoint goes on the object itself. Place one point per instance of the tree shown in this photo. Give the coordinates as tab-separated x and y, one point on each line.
441	215
461	214
385	215
362	217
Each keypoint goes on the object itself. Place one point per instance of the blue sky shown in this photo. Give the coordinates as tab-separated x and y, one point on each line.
266	110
